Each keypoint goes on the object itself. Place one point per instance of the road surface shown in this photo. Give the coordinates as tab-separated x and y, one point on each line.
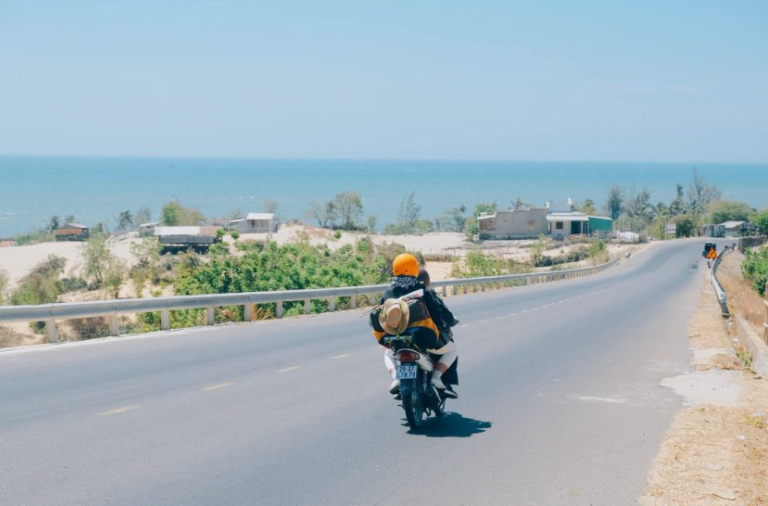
560	405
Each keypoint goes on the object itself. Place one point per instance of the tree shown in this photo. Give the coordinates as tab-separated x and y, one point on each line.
53	223
70	218
728	210
270	206
685	225
761	220
452	220
96	257
114	273
588	207
614	206
125	221
4	280
371	224
349	207
700	195
42	285
485	208
147	255
174	214
142	215
325	214
409	213
678	205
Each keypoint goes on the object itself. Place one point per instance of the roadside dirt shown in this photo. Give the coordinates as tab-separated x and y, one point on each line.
715	452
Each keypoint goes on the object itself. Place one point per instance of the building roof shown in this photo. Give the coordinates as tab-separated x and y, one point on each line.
177	231
260	216
149	224
71	225
733	224
567	217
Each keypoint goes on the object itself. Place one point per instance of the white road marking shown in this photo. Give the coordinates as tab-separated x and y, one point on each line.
117	411
345	355
289	369
216	387
609	400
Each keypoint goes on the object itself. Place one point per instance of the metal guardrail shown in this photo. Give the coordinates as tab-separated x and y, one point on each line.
722	295
49	313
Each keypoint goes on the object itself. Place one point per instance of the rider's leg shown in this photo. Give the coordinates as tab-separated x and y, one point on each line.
448	355
389	362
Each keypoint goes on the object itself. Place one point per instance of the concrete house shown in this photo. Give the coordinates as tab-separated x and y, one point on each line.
146	229
175	239
524	223
71	232
738	228
254	223
562	225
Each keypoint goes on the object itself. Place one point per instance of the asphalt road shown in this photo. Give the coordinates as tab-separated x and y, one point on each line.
560	405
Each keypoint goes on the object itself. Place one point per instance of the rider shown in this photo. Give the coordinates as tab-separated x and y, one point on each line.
424	331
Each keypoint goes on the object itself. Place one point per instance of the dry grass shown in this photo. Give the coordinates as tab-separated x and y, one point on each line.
712	455
741	296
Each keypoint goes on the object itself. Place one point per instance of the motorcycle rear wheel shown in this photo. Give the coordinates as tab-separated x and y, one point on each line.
414	409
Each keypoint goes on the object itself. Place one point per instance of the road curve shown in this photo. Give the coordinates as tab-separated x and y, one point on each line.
560	404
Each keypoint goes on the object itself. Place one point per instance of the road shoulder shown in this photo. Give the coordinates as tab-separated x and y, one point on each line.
714	453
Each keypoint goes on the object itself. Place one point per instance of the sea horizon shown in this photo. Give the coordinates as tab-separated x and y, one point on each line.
98	188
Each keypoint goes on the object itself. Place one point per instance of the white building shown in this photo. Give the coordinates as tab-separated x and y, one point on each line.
254	223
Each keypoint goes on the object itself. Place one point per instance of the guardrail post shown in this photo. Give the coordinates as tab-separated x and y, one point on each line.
248	312
307	306
50	327
455	289
445	291
353	302
279	309
165	319
527	280
114	329
482	287
464	286
331	303
210	315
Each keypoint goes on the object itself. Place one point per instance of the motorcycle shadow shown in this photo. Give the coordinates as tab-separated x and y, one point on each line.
451	425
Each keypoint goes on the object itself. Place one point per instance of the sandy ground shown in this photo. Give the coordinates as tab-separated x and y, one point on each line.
18	261
715	452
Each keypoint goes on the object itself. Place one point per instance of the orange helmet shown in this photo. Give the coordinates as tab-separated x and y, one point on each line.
405	265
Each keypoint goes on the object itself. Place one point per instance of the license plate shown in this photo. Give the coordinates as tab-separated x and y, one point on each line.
406	372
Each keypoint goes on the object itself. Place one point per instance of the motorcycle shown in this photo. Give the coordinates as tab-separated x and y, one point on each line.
414	370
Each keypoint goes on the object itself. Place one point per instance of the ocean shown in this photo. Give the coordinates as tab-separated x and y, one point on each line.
32	189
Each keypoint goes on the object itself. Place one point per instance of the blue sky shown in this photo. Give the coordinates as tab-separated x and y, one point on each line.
682	81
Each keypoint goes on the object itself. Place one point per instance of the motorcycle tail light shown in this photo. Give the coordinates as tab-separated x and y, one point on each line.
408	356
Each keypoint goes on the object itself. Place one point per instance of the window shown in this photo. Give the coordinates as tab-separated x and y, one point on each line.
559	225
486	224
531	224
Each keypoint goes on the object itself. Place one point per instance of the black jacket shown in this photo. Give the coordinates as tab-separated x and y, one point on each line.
439	312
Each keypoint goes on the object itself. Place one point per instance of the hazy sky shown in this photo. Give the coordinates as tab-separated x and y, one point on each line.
638	81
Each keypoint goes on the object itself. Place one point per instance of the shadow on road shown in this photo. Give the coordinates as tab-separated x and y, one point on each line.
452	425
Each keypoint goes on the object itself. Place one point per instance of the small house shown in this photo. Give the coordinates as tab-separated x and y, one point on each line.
147	229
738	228
254	223
524	223
562	225
711	230
71	232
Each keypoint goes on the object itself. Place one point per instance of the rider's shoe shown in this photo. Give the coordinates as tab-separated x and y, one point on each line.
437	383
394	387
450	394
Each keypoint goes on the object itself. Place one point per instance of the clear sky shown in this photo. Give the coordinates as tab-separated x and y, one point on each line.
666	80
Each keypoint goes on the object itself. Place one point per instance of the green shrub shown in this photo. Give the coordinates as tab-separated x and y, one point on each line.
755	268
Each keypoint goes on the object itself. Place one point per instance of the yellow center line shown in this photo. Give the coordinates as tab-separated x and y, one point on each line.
216	387
287	369
117	411
345	355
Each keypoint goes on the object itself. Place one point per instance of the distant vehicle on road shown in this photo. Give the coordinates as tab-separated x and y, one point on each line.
709	246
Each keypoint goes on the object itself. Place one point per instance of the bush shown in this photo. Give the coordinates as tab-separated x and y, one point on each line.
755	268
